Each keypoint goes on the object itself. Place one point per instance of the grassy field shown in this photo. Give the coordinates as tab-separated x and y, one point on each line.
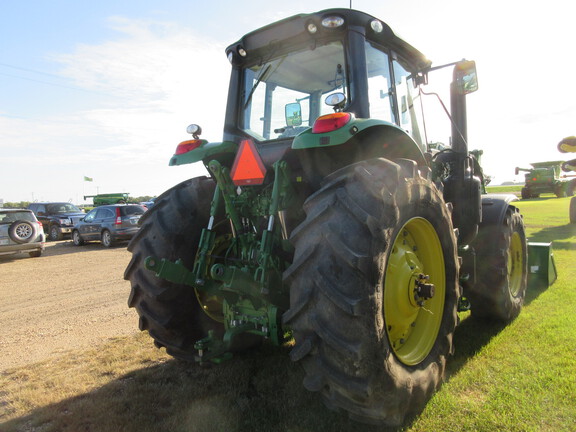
520	377
515	189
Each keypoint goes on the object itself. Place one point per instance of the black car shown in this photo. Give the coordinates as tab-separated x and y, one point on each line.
108	224
58	218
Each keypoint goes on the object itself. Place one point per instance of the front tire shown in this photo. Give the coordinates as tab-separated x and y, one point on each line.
367	344
77	238
502	269
55	234
106	239
171	229
560	190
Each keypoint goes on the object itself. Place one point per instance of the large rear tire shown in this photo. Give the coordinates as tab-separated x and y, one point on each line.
573	210
502	269
372	232
171	229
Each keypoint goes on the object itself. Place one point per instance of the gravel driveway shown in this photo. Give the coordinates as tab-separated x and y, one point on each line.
69	298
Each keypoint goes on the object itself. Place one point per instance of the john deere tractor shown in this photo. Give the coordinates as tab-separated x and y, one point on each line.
327	223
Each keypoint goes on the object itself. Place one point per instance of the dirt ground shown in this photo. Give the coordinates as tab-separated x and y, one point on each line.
69	298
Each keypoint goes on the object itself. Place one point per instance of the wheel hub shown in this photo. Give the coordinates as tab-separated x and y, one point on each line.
423	290
414	291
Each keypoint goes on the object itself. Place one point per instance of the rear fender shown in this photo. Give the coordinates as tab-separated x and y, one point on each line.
205	152
386	137
372	139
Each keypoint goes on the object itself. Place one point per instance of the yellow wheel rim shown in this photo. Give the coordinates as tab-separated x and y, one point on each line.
211	304
412	322
515	264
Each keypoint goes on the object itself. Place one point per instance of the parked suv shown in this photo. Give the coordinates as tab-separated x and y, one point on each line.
58	218
20	232
108	224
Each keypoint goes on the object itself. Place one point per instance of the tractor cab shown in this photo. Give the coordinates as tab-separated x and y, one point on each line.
287	76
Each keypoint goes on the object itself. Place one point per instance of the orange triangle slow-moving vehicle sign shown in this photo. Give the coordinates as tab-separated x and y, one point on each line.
248	168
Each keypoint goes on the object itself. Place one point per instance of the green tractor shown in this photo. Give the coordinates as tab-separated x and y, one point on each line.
327	223
545	177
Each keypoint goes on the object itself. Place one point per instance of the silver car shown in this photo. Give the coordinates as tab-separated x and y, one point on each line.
20	232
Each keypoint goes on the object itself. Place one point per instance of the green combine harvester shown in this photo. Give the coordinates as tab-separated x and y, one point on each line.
326	219
546	177
109	198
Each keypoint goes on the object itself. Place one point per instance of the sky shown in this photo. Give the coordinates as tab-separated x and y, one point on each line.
105	89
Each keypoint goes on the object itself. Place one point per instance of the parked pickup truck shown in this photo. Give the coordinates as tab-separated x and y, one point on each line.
58	218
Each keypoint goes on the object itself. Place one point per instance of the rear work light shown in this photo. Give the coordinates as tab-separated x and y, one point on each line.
186	146
248	168
118	220
331	122
334	21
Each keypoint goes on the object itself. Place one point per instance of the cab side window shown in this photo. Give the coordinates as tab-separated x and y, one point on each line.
380	85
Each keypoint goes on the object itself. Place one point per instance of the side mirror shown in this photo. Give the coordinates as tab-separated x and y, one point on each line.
517	171
465	77
293	114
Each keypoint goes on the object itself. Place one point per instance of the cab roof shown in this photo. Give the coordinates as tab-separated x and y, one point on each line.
281	35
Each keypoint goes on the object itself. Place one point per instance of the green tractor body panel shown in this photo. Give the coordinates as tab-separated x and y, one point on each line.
309	139
205	151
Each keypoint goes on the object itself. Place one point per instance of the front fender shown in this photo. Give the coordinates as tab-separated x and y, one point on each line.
494	208
206	150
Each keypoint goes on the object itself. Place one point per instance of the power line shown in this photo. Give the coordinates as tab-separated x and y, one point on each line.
31	70
55	84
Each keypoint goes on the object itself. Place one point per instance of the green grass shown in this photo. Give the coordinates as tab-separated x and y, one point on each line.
515	189
520	377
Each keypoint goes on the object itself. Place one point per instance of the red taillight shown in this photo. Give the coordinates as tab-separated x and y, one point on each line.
331	122
248	168
186	146
118	217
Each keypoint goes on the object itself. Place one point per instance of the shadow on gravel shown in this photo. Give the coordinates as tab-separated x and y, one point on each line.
260	391
63	247
67	247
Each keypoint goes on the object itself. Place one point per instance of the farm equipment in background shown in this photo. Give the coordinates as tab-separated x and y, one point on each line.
545	177
332	224
109	198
